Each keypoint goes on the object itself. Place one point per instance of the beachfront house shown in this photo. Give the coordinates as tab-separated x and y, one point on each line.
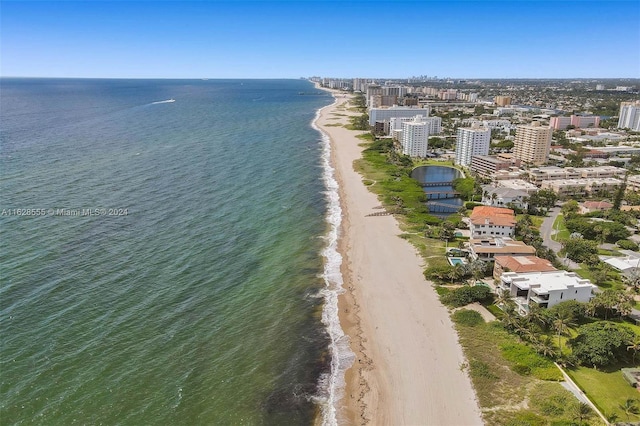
545	289
520	264
488	248
486	222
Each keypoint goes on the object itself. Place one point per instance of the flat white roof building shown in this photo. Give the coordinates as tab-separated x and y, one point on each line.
384	114
545	289
628	265
415	137
435	124
472	141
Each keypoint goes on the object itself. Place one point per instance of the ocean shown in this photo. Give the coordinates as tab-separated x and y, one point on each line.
168	253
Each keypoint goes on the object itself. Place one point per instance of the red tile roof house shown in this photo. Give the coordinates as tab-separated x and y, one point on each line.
591	206
520	264
486	221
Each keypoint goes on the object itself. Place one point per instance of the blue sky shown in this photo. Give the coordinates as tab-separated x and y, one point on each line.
291	39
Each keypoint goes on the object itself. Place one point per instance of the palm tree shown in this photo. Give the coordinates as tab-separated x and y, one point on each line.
537	316
562	322
545	347
629	407
634	345
582	411
510	318
612	417
504	299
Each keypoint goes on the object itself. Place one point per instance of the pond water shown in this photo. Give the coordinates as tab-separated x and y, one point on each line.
437	184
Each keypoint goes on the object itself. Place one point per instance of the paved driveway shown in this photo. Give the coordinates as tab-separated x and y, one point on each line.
546	231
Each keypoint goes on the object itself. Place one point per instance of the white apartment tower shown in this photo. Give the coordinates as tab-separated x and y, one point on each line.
532	143
415	137
629	116
472	141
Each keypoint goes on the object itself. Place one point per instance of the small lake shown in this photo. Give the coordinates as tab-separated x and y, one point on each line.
437	184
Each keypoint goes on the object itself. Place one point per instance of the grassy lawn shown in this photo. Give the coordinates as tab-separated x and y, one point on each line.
613	282
605	252
608	390
535	220
563	233
507	377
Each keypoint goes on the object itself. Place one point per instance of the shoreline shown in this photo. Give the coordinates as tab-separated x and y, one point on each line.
407	367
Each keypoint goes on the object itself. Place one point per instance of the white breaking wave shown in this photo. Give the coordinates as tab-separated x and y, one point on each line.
168	101
332	384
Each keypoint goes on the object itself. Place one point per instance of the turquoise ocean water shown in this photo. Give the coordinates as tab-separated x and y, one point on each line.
176	263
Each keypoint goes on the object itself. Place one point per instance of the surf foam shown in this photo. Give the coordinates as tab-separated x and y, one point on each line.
331	384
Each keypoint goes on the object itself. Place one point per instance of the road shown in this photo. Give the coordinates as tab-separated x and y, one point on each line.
546	231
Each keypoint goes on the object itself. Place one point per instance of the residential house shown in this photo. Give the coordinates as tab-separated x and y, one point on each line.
488	221
545	289
488	248
501	197
520	264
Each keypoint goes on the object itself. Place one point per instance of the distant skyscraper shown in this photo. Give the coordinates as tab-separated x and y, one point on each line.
472	141
532	143
415	137
629	116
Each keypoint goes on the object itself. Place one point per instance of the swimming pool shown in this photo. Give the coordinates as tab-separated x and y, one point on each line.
457	261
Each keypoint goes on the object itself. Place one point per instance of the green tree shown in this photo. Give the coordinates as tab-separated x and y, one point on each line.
440	273
542	200
447	231
582	412
465	187
545	347
630	406
601	272
601	343
580	250
610	303
562	322
504	300
617	201
570	209
571	308
467	294
633	345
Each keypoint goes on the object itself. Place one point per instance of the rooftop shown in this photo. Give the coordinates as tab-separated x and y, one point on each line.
500	245
492	215
524	263
545	282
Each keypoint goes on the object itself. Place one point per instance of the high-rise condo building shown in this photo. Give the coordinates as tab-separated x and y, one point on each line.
472	141
503	100
415	137
629	116
532	143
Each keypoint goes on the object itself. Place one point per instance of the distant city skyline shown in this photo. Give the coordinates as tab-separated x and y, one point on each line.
291	39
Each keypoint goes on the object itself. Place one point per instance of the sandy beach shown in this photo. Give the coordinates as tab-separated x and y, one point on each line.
409	367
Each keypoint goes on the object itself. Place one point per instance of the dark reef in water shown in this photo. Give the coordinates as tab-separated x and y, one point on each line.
291	401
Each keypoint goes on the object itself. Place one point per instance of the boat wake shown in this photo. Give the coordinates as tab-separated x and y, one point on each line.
168	101
331	384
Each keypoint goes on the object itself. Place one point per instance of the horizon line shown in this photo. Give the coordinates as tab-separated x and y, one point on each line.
334	78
